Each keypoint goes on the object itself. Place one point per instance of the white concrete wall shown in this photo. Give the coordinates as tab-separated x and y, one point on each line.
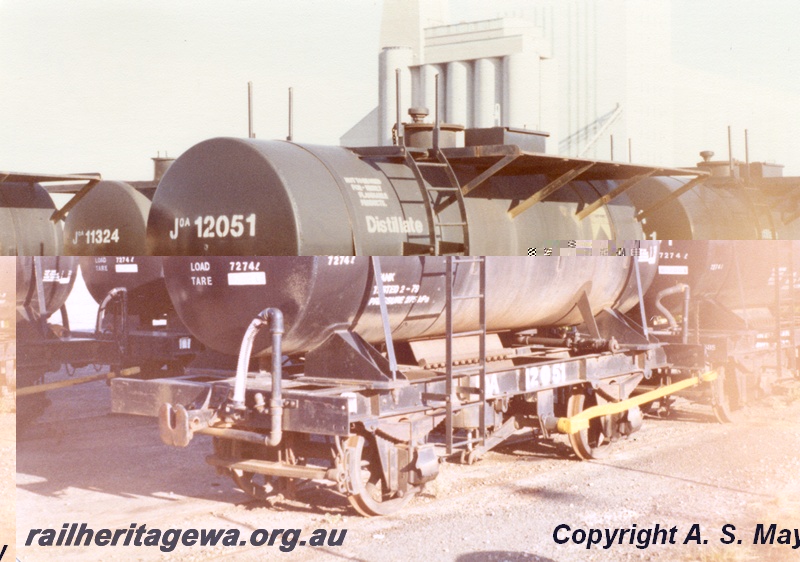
458	91
521	92
425	89
491	73
485	87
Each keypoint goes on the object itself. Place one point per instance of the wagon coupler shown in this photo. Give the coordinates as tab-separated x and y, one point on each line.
177	425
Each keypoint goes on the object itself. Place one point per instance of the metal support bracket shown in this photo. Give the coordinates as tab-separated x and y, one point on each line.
492	170
585	308
548	190
387	329
501	434
616	192
62	212
674	195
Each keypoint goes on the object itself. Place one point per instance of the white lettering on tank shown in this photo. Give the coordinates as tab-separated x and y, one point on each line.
393	225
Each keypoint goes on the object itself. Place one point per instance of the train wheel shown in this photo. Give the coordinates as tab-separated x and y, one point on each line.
370	495
591	443
664	409
725	396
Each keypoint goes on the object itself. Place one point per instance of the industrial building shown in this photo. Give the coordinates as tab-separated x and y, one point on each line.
597	76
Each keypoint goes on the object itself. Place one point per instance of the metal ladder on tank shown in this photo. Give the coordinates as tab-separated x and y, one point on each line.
451	370
437	196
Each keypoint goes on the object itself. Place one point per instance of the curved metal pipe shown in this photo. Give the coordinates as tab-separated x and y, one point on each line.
274	318
116	293
674	290
112	294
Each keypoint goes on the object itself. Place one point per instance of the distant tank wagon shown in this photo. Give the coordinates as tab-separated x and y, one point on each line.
111	220
29	221
136	329
25	225
738	299
43	284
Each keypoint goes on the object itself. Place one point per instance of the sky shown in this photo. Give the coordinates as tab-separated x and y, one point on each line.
740	38
98	86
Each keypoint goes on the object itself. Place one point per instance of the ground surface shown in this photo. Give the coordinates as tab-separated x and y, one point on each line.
8	455
80	464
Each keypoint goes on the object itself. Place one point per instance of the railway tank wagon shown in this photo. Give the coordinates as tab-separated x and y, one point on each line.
42	287
132	333
738	300
732	201
29	221
373	367
110	218
107	229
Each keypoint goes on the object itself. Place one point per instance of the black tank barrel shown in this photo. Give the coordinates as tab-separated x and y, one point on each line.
242	197
217	297
141	276
25	225
736	274
58	277
711	210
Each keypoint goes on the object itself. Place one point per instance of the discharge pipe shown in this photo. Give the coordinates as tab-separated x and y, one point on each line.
274	318
120	293
673	324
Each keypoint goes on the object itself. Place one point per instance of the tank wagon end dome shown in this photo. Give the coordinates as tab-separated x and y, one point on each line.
228	196
111	220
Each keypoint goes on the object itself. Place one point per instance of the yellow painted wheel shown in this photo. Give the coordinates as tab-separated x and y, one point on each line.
591	443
